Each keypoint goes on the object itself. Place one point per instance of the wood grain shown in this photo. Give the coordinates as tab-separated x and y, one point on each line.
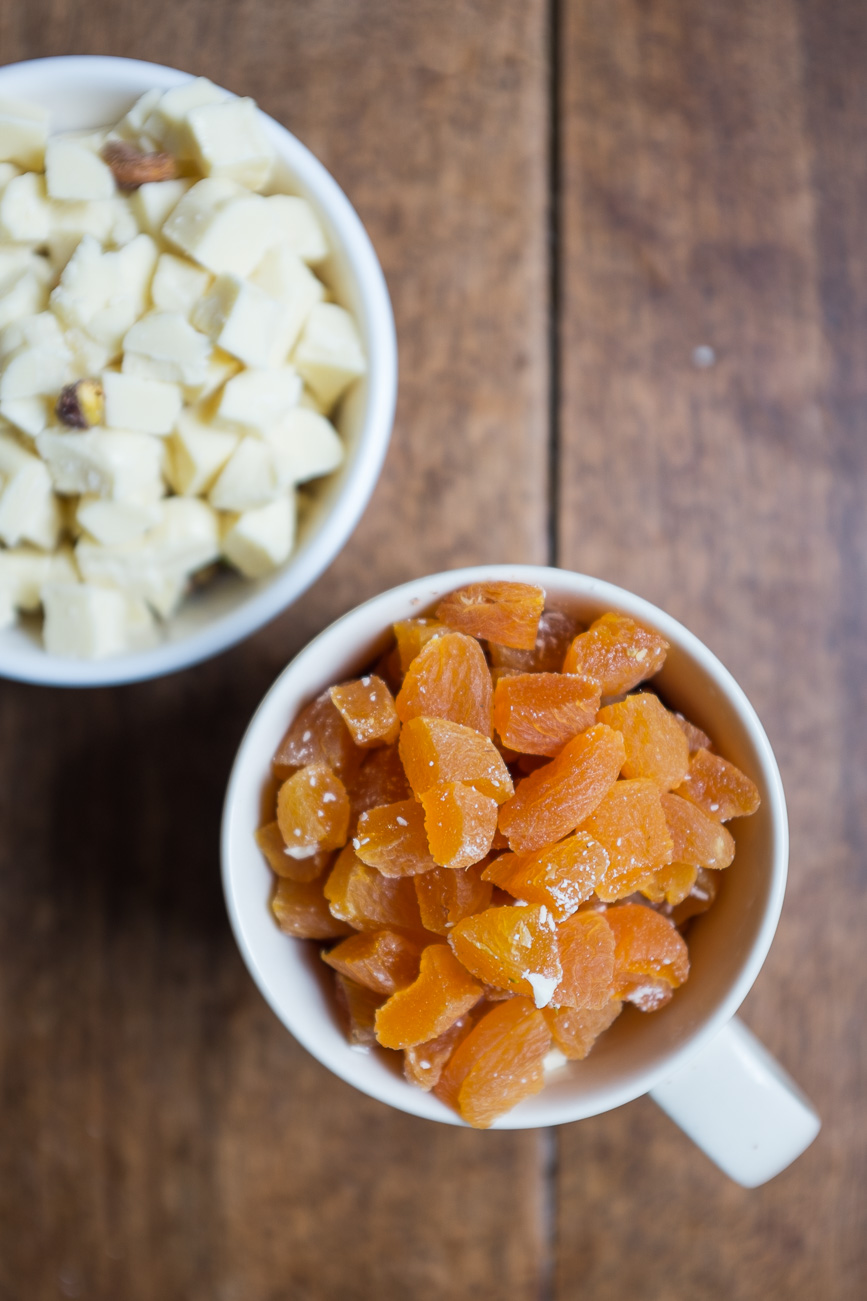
163	1135
709	201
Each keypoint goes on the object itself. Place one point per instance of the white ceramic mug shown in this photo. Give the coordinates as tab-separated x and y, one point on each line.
703	1068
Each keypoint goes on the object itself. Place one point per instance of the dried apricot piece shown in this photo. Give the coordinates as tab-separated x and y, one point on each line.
423	1064
650	958
362	896
514	948
556	631
392	837
670	884
696	739
446	897
718	787
412	634
281	863
587	957
460	823
301	909
656	746
383	961
551	802
698	839
356	1007
576	1029
381	780
441	993
630	825
538	713
318	735
367	708
435	751
312	811
699	899
501	612
449	678
561	876
617	653
498	1064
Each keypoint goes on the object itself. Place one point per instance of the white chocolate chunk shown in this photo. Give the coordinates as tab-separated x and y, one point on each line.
222	226
115	522
24	212
71	221
155	201
88	356
178	284
221	367
104	293
144	406
196	454
28	508
30	415
75	172
118	466
230	140
168	339
23	133
24	572
83	621
23	294
168	121
248	479
39	330
329	355
298	228
8	172
14	258
34	372
259	399
132	125
259	540
284	276
243	320
305	446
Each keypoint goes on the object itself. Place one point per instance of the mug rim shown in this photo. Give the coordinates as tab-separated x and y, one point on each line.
417	592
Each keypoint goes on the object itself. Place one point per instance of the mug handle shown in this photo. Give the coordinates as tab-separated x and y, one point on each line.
738	1104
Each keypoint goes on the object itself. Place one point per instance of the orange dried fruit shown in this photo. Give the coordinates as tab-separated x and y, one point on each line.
436	751
381	780
656	746
514	948
367	708
412	634
576	1029
460	823
719	788
392	837
587	957
561	876
442	992
538	713
699	899
318	735
362	896
630	825
449	678
301	909
356	1007
696	739
698	838
551	802
555	633
281	863
312	811
423	1064
388	668
445	897
383	961
501	612
617	653
650	958
498	1064
670	884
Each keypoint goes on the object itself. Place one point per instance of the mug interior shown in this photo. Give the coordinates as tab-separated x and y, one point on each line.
727	945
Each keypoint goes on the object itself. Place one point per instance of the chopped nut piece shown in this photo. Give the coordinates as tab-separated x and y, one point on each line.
132	167
81	405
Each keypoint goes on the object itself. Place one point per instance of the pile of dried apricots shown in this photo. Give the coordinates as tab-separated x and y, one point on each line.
502	858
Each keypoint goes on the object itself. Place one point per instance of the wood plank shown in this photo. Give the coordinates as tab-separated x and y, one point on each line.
710	200
164	1135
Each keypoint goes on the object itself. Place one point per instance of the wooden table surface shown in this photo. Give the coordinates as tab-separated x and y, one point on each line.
568	200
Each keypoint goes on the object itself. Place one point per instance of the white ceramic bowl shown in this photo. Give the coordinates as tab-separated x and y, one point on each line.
727	946
91	91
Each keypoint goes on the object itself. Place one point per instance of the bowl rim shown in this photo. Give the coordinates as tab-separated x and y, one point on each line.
559	1111
262	605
